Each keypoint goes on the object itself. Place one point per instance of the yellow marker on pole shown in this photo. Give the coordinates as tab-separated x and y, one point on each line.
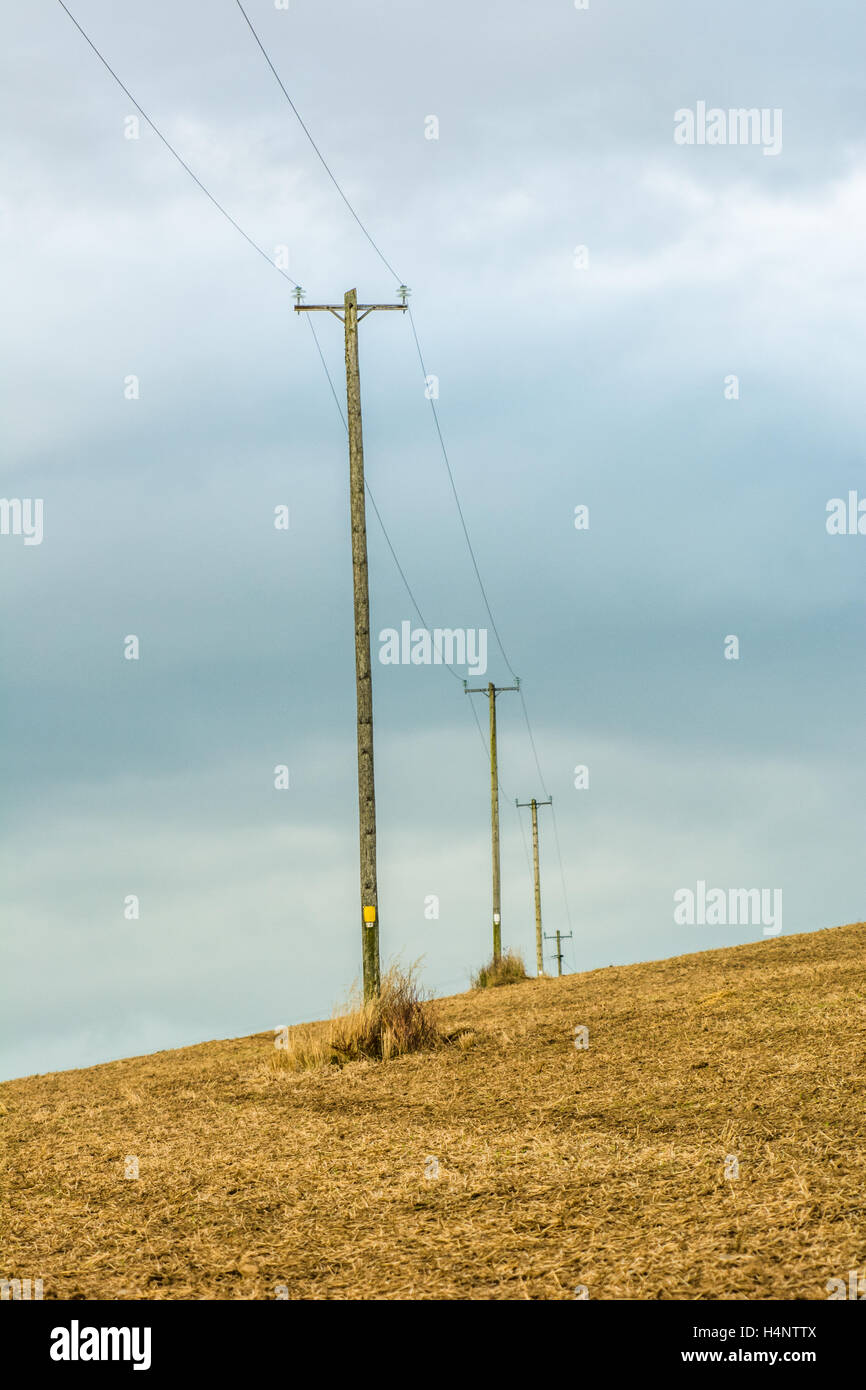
369	915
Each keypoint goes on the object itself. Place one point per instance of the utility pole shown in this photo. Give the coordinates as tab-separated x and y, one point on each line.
539	950
560	937
350	314
491	691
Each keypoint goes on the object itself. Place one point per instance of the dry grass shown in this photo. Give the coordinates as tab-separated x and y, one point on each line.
399	1021
557	1166
508	970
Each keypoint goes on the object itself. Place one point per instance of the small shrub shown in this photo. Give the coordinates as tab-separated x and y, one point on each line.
400	1020
508	970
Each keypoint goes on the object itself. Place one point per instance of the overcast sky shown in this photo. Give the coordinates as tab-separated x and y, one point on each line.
560	384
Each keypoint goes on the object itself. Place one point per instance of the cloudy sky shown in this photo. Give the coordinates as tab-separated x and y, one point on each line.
564	378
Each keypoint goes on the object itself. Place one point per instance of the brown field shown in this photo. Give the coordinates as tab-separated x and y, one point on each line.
558	1167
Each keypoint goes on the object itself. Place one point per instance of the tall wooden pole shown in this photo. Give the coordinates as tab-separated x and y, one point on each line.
560	937
539	948
539	956
491	692
494	824
363	666
363	671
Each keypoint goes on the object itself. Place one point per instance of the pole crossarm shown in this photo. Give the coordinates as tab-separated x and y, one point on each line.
558	937
484	690
337	309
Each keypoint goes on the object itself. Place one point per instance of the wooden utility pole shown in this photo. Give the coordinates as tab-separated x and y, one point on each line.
539	949
491	691
560	937
350	314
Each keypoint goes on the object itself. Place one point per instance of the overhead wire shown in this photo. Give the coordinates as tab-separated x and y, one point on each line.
442	446
254	244
390	268
306	131
459	505
261	252
438	427
168	145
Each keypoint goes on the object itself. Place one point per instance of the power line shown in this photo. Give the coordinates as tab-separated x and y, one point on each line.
304	128
561	869
260	250
442	446
168	145
552	811
378	514
270	262
459	507
328	375
389	267
523	838
480	731
532	741
400	570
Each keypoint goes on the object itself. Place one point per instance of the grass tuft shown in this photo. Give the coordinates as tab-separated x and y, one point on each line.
508	970
400	1020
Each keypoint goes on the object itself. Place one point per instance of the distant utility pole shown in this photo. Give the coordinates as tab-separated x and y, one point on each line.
491	691
560	937
539	949
350	314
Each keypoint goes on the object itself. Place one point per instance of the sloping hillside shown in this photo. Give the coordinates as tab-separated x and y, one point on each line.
558	1167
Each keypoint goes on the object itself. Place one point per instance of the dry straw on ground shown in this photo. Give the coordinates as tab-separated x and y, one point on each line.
555	1165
